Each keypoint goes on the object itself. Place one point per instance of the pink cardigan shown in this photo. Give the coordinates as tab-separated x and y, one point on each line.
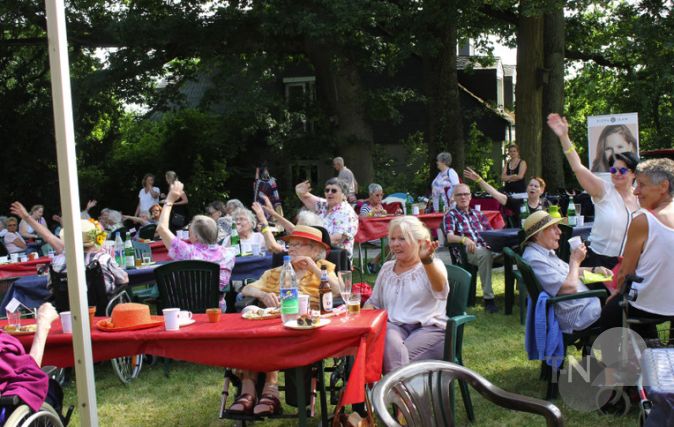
20	375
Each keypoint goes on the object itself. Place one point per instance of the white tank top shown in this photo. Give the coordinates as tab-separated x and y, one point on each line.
656	292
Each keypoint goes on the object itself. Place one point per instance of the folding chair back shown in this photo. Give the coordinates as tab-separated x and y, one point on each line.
147	231
191	285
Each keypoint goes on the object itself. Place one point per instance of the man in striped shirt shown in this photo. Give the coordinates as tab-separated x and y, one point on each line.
463	225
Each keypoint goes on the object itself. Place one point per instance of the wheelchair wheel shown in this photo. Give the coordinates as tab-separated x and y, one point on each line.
24	417
127	368
619	403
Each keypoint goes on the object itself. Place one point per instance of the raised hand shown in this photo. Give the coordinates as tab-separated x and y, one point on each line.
257	208
303	188
18	209
471	174
558	124
175	192
427	248
91	204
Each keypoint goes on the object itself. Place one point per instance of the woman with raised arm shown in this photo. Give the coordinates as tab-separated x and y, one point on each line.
534	201
614	203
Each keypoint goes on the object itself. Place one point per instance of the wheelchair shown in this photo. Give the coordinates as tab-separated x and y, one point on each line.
126	368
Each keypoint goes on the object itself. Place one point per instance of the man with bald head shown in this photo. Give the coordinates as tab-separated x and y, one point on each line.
463	225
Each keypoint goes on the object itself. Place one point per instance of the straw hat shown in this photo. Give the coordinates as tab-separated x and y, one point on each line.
307	233
129	317
90	232
538	221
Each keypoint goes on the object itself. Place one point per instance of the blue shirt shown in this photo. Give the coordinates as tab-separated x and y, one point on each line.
551	272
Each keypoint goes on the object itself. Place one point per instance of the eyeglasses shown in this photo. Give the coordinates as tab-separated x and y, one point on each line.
331	190
622	171
11	225
462	194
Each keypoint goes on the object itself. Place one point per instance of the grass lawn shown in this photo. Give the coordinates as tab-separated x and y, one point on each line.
493	346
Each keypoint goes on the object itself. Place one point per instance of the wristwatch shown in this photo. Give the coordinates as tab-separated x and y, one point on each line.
429	260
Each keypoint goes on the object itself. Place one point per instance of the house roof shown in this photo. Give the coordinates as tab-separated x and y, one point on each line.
506	115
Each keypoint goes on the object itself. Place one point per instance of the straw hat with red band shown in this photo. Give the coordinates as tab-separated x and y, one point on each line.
129	317
307	233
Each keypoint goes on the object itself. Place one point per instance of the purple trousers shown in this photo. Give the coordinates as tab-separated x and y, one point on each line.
409	343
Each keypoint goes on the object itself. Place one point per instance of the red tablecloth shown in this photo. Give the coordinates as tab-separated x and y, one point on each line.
258	345
373	228
486	203
18	269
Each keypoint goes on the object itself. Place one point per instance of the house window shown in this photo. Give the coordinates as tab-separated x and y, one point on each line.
300	94
304	170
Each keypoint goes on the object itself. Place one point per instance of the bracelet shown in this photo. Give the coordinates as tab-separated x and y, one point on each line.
479	180
570	150
264	229
463	240
427	261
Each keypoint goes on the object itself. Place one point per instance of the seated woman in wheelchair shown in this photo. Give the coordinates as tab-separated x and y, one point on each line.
650	239
93	237
202	245
556	276
307	252
413	289
20	373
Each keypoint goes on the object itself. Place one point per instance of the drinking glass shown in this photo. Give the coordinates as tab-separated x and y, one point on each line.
345	282
14	319
353	304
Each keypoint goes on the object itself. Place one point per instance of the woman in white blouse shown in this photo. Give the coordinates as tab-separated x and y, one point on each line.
413	289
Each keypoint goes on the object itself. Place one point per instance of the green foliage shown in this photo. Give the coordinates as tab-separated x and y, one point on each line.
479	149
407	175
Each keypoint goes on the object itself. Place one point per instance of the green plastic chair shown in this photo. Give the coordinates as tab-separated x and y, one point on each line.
509	260
580	339
460	286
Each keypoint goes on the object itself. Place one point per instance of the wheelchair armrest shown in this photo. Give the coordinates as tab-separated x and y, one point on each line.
12	400
599	293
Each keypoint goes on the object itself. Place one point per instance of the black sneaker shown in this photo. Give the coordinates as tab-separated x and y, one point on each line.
490	306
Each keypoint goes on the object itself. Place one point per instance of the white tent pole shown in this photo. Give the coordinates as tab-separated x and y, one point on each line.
69	193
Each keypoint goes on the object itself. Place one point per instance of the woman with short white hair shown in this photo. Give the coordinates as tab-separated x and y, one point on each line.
245	225
203	236
413	289
373	205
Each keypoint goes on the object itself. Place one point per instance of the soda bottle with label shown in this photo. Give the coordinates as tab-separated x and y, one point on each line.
290	304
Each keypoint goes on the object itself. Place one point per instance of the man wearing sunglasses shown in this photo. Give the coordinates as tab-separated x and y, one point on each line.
463	226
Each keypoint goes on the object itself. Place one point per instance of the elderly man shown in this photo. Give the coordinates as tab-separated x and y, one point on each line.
347	176
557	277
463	225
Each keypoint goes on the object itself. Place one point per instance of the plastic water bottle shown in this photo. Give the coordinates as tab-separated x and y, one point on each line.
290	304
119	251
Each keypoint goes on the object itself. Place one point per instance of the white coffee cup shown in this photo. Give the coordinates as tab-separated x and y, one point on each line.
66	322
4	259
304	304
184	316
478	208
580	220
415	210
575	242
23	258
255	247
171	319
14	257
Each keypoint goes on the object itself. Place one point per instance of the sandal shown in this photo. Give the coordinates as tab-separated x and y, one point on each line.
268	403
247	401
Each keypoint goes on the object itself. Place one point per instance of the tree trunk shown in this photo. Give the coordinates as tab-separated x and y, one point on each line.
553	97
529	90
341	89
444	125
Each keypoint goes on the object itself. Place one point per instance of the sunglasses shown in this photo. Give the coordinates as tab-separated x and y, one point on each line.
622	171
331	190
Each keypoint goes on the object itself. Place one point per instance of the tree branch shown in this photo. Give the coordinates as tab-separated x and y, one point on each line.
596	58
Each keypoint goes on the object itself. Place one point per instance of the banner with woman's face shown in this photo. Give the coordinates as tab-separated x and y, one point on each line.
611	134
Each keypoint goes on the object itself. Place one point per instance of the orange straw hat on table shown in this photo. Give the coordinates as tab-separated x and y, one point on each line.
129	317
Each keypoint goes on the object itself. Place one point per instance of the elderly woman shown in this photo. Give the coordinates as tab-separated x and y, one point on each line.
148	195
413	290
203	235
614	203
444	183
649	239
514	171
245	226
534	202
340	219
93	237
373	206
556	276
25	229
14	243
307	253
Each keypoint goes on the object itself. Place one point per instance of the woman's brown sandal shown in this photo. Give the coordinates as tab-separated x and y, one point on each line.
269	404
247	402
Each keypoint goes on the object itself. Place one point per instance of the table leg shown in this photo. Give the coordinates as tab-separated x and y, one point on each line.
300	374
509	284
321	391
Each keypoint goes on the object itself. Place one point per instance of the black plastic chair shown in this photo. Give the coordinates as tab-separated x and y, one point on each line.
147	231
121	231
3	249
459	285
190	285
459	257
509	256
580	339
564	251
421	393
